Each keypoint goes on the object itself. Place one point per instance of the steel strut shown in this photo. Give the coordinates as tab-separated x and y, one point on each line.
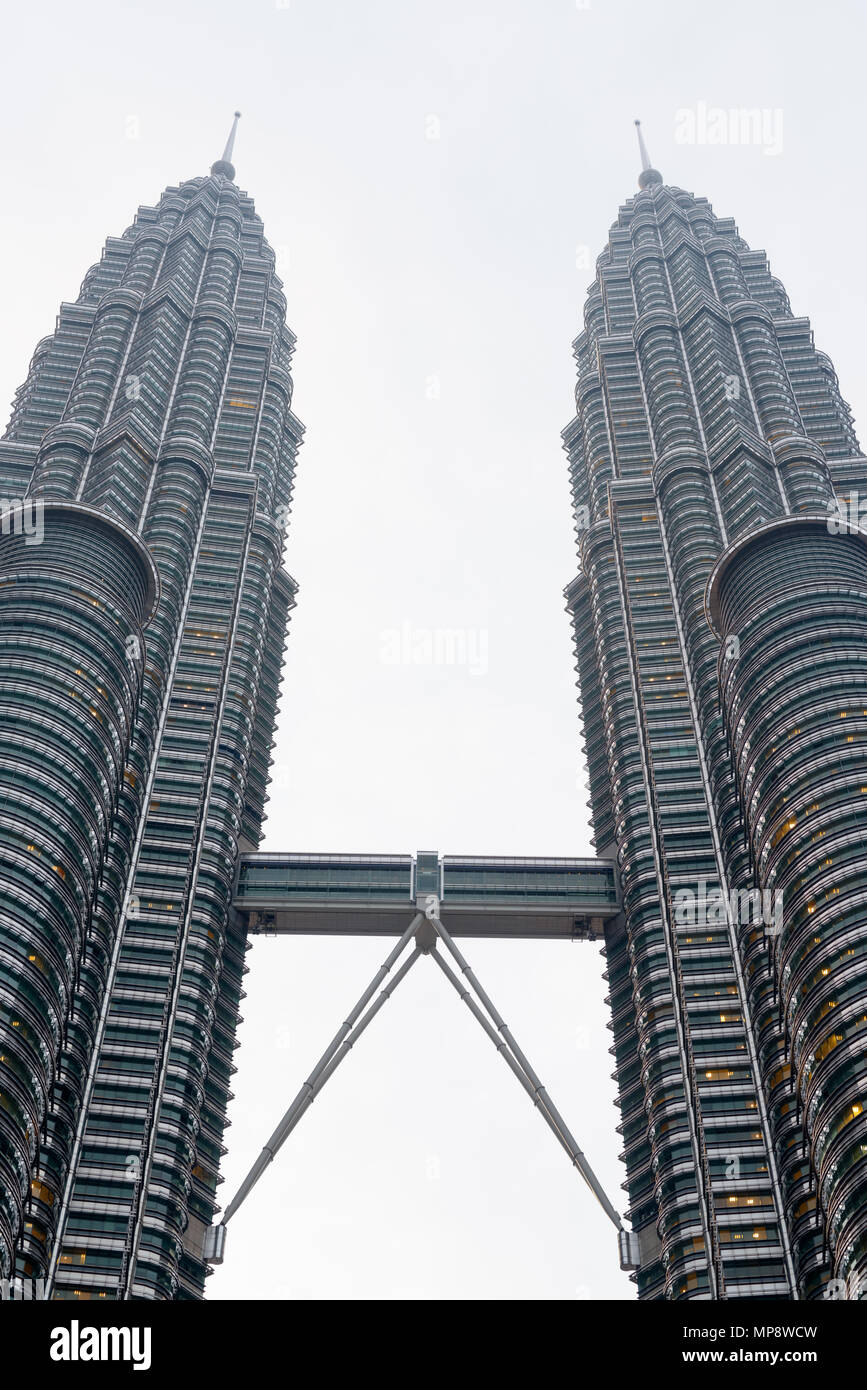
512	1054
427	937
331	1058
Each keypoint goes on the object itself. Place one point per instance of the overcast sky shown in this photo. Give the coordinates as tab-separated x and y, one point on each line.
437	180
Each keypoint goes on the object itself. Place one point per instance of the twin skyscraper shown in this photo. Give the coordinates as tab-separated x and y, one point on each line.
720	620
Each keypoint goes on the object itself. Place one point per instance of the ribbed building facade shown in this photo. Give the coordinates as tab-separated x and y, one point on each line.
720	619
140	650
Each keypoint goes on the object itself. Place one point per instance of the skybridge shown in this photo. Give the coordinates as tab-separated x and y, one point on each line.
370	894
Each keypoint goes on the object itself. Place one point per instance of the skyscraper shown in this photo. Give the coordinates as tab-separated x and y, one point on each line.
720	620
140	652
721	633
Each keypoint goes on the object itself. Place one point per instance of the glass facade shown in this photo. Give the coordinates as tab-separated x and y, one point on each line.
146	634
279	879
720	622
720	638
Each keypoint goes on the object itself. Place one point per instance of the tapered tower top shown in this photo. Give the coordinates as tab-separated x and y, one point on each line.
648	173
225	166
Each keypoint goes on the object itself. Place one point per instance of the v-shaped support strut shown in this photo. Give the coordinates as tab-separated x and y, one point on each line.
427	930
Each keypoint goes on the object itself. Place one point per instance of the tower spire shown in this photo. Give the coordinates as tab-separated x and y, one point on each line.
225	166
648	173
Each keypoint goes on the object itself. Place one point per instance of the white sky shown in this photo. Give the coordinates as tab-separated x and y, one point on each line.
422	1171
